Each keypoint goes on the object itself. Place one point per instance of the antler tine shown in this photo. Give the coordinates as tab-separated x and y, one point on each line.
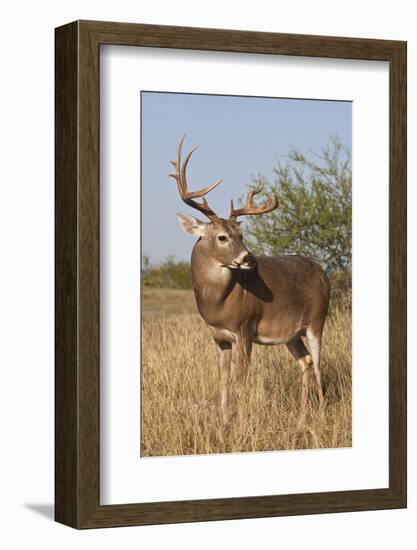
260	187
250	210
181	179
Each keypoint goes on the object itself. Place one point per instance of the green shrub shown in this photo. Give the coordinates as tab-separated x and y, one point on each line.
169	273
314	217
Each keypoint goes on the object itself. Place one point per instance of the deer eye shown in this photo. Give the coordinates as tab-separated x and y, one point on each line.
222	238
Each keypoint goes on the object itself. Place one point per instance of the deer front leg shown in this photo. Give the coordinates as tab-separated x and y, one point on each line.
225	358
243	350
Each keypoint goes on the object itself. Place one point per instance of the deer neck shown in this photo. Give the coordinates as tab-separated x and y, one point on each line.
212	283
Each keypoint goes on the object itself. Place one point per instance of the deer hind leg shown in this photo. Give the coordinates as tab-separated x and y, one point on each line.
314	335
298	350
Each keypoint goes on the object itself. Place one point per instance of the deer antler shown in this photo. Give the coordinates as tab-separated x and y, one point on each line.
188	196
250	210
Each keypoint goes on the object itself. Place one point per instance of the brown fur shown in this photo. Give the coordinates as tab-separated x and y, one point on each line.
243	299
279	300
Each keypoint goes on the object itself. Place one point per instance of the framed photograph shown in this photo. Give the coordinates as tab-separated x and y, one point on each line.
230	322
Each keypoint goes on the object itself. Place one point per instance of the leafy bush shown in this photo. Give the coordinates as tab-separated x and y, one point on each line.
315	213
169	273
341	288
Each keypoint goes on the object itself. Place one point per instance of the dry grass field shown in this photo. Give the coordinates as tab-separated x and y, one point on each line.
179	412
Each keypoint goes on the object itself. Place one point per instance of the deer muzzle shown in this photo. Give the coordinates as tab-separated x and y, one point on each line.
245	261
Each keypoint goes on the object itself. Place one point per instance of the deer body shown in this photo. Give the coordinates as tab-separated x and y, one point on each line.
244	300
273	298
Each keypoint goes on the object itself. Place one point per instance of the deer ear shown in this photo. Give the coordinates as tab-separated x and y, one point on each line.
191	225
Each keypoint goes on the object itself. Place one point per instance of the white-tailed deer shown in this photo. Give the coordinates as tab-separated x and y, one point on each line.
246	299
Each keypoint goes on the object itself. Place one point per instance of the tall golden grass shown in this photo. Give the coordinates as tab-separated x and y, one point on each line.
179	399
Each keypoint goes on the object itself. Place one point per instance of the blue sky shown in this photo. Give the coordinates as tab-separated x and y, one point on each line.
237	138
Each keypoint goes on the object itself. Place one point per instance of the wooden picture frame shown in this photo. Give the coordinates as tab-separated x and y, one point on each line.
77	373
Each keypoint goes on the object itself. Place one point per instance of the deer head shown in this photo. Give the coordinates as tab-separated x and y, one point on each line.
221	238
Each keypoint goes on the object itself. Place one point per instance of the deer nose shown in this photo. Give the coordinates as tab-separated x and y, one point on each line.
245	258
248	259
